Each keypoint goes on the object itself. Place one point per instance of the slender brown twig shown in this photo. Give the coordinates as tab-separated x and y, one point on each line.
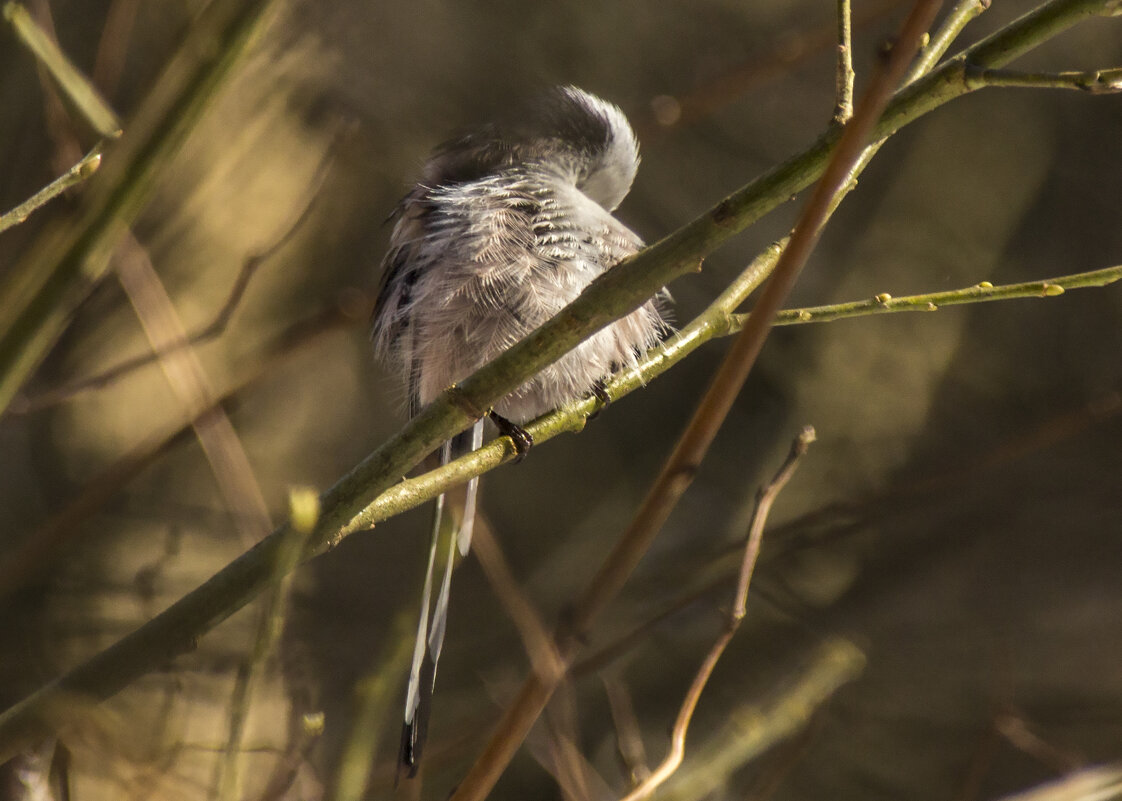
30	559
536	641
629	738
790	48
112	47
752	728
192	388
764	500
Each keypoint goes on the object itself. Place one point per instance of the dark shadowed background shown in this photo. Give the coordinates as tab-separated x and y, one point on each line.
959	520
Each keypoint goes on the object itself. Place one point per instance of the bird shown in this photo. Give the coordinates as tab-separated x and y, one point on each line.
507	224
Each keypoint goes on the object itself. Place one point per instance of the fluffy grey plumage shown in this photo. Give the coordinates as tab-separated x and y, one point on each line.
508	224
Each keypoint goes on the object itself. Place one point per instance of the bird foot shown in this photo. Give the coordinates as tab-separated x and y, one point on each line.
519	437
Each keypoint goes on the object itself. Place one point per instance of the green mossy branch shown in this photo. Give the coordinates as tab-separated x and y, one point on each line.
713	323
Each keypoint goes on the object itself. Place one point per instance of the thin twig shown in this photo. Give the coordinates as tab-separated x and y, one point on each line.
221	320
629	739
752	729
303	511
192	387
843	105
983	292
56	116
956	20
536	641
112	47
715	322
77	87
28	561
1096	82
72	177
789	49
764	500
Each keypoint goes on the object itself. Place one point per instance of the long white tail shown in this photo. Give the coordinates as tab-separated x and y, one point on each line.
430	630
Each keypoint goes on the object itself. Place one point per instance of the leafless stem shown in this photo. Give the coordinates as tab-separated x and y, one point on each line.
113	45
1017	731
221	320
536	641
72	177
843	107
77	87
269	628
1096	82
629	739
29	560
957	19
764	500
701	102
982	292
753	728
189	382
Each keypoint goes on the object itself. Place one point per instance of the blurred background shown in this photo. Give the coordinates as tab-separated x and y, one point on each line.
958	523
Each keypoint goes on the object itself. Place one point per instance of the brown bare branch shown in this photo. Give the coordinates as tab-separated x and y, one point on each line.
764	500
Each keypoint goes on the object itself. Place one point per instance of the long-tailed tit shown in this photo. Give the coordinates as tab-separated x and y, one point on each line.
508	224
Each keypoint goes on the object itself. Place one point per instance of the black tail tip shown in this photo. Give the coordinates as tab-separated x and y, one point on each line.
409	756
